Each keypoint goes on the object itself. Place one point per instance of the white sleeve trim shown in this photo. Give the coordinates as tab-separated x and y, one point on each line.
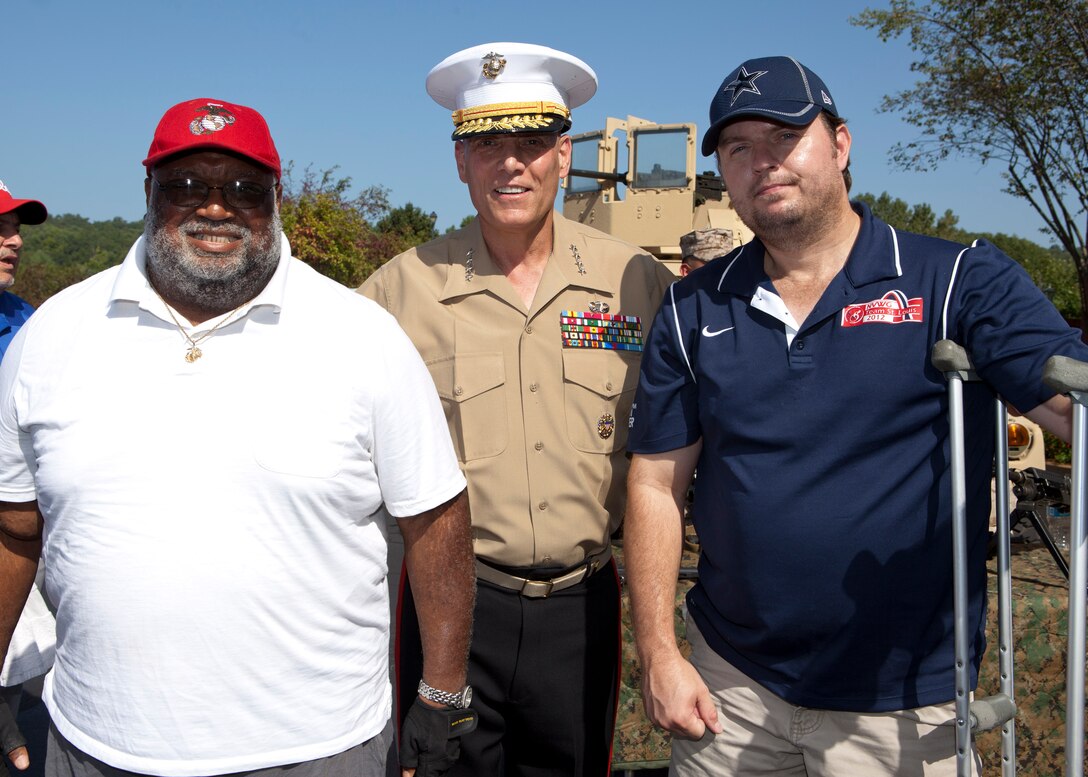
679	336
951	286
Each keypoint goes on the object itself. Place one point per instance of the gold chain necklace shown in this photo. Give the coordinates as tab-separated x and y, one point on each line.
194	352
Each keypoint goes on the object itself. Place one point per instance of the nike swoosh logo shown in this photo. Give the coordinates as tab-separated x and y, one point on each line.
708	333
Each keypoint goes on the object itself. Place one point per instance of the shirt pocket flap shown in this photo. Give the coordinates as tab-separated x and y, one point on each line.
467	375
605	372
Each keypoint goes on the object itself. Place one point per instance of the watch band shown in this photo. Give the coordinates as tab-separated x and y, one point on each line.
459	700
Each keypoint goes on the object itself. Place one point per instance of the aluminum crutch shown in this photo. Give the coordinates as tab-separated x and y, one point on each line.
999	709
1070	377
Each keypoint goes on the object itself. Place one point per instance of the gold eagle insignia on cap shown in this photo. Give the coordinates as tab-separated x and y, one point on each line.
493	65
215	118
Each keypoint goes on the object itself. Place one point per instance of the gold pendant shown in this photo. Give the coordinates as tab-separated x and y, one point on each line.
193	354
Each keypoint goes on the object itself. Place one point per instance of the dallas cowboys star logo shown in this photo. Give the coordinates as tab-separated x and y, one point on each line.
744	82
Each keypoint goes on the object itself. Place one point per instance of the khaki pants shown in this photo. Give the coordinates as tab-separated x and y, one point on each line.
765	735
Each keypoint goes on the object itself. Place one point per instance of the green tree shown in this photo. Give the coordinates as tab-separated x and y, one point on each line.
916	218
464	223
68	248
1003	81
331	230
408	225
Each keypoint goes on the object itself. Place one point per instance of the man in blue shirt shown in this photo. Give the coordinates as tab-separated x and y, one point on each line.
13	214
13	312
794	372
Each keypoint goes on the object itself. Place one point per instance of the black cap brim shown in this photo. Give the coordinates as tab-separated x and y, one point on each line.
784	113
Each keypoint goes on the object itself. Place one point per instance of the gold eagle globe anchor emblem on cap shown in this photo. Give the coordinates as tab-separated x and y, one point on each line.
493	65
216	118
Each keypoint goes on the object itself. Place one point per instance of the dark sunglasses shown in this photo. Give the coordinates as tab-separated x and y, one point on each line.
190	193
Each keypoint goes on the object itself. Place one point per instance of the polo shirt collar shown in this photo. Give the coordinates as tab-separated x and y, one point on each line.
572	263
132	285
875	255
874	258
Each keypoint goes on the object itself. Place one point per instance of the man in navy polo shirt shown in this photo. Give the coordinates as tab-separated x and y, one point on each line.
795	374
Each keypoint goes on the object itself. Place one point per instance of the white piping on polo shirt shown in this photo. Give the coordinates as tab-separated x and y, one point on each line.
951	285
676	326
895	248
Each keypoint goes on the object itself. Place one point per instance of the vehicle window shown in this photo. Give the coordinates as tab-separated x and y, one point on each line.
660	159
584	157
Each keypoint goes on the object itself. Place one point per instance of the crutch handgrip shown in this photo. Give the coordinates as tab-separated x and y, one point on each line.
1066	375
991	712
950	357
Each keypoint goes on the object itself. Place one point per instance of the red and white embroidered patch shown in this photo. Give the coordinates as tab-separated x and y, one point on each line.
893	308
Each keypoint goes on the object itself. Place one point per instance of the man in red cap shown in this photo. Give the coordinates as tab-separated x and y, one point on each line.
209	470
14	311
13	215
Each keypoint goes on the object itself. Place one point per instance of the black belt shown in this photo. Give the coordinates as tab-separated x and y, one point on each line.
539	589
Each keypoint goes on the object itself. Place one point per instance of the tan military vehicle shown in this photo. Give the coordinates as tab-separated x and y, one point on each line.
637	180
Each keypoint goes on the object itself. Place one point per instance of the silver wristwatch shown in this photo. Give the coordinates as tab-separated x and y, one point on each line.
459	700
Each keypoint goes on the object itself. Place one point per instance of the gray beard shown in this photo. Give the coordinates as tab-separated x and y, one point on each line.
186	278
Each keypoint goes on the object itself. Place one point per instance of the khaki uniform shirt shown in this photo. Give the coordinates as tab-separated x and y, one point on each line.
538	417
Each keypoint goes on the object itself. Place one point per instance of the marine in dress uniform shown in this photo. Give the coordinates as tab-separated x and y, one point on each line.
532	327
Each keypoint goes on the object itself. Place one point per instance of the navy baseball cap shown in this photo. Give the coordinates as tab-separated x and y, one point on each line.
776	88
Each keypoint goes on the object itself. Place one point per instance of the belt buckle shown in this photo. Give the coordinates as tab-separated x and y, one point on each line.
537	589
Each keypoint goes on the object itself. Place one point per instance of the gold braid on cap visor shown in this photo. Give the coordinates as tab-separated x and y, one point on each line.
507	116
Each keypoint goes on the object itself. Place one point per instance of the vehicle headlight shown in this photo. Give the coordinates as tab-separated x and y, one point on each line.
1019	437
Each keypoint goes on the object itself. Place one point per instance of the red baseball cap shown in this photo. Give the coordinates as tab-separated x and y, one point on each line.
30	211
213	124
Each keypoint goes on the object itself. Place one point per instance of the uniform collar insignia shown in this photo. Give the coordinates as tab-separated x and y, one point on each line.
577	259
470	271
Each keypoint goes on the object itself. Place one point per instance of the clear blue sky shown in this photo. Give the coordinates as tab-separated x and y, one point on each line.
342	83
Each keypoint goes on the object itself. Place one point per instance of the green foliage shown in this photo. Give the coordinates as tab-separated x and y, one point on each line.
68	248
345	237
68	239
1057	449
1050	268
464	223
330	230
410	224
917	218
1003	81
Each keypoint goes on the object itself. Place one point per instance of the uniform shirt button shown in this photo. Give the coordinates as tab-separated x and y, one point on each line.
458	391
608	386
546	560
542	506
539	446
533	387
529	329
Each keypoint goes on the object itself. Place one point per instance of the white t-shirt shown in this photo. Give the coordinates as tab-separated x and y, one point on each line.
212	534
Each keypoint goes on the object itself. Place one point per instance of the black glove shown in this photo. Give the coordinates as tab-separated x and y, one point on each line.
10	735
430	738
